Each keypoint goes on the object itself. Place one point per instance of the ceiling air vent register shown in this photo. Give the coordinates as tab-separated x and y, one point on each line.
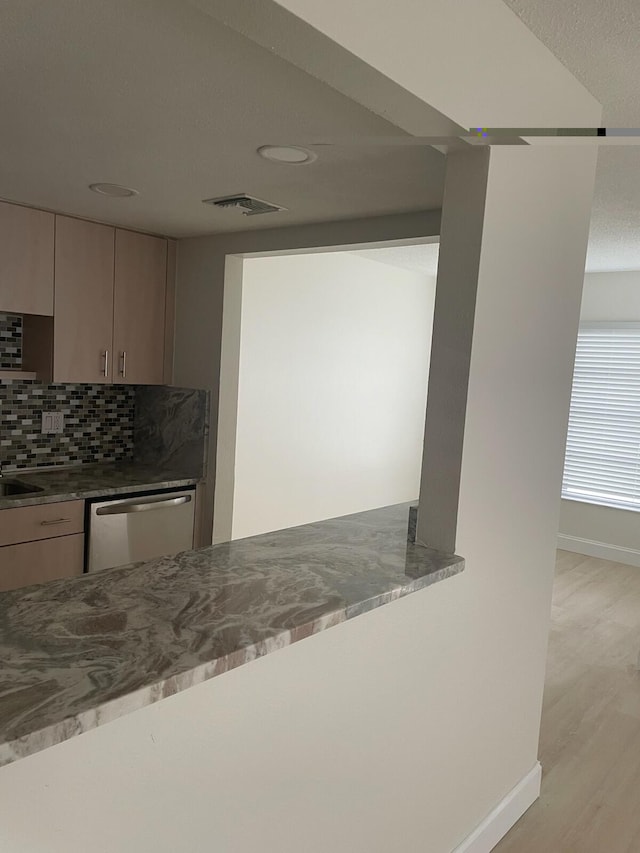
249	205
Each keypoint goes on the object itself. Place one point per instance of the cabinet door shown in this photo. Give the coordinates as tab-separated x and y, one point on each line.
39	562
83	315
26	260
139	308
43	521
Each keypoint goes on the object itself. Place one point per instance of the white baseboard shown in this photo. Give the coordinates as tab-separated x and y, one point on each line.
508	812
602	550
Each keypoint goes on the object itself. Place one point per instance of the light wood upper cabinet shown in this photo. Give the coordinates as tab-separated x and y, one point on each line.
26	260
110	291
139	308
83	314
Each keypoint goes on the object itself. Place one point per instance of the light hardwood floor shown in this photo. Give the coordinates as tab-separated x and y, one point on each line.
590	736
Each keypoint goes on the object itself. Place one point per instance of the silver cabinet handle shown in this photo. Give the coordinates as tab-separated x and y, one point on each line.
55	521
142	506
123	366
105	369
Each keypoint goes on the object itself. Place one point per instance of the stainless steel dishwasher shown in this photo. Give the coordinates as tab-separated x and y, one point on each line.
129	529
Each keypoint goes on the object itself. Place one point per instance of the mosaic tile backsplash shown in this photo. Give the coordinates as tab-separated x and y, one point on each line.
10	342
98	424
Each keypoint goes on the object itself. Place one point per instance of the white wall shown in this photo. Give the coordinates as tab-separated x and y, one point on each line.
611	296
585	528
334	360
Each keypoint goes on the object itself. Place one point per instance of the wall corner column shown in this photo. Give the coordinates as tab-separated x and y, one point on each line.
457	281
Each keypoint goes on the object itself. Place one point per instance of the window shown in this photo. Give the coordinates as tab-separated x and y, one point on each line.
602	463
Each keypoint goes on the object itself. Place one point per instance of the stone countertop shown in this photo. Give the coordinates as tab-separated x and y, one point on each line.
93	481
80	652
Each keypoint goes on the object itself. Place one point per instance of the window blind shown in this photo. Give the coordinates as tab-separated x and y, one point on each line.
602	463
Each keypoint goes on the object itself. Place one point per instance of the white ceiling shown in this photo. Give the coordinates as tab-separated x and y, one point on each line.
422	258
598	41
161	97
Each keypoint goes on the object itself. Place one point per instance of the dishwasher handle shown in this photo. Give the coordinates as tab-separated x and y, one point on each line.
145	505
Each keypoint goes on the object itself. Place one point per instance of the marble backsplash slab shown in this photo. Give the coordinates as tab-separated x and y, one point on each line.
171	428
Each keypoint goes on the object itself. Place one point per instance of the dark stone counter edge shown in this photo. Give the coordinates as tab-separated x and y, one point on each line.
38	498
113	709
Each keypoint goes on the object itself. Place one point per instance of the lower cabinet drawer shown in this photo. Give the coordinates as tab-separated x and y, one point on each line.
26	523
41	561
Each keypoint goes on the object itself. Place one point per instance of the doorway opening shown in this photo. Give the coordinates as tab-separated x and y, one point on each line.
325	363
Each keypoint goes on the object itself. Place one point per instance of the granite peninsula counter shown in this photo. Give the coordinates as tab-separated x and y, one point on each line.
80	652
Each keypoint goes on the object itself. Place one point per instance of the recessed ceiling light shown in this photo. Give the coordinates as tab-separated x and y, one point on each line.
113	190
291	155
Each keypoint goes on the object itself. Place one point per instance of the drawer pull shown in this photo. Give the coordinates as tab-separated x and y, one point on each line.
55	521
